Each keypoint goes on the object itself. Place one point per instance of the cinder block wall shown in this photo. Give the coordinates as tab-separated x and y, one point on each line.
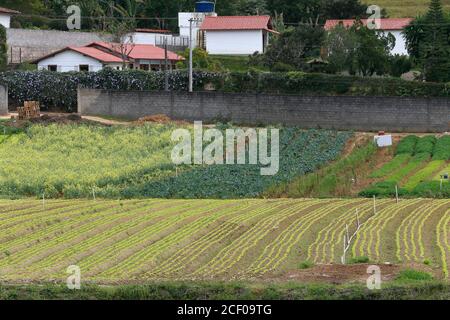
393	114
28	45
3	100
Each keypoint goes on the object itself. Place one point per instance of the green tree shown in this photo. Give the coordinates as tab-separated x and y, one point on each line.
359	50
3	49
372	52
201	60
340	44
434	52
295	47
343	9
307	11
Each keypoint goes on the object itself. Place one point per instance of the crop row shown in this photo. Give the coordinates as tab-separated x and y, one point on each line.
205	239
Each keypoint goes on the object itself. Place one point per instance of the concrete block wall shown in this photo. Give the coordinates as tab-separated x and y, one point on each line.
28	45
3	100
393	114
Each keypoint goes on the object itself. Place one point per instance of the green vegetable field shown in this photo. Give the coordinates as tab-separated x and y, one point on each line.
80	161
140	240
416	169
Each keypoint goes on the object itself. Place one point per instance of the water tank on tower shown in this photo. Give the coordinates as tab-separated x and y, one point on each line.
205	6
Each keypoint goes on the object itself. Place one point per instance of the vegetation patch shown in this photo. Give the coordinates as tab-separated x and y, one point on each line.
150	240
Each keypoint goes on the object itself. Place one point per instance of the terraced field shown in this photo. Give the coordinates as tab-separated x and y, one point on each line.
213	239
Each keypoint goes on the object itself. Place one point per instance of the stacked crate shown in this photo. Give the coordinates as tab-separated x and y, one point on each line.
29	110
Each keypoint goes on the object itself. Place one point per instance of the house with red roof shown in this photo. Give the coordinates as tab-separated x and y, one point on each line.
383	26
236	35
98	55
5	16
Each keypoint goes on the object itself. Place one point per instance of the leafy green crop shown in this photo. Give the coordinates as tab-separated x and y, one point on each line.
425	145
391	166
79	161
407	145
442	149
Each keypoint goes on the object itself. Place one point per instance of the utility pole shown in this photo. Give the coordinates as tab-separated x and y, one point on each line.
166	66
191	47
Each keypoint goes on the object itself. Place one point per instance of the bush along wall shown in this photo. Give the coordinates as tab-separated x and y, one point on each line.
59	90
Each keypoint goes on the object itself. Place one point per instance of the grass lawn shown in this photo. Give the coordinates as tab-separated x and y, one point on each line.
406	8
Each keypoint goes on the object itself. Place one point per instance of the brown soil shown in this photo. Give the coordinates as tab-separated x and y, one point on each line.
337	274
159	118
50	118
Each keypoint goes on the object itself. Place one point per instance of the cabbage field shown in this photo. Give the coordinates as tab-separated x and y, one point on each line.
87	161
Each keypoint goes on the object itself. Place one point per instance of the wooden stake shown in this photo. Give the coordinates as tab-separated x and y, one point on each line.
43	201
348	235
343	255
357	218
374	205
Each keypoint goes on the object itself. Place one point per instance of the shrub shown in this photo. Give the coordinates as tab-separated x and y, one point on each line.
441	149
432	189
425	145
382	189
357	260
306	265
399	64
59	90
407	145
415	275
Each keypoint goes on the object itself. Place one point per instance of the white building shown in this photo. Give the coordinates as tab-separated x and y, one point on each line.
184	25
78	59
150	36
393	26
99	55
236	35
5	16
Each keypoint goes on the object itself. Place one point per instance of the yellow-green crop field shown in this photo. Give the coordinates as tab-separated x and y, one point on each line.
140	240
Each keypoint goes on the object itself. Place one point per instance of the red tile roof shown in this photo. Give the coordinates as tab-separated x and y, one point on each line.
386	24
10	11
237	23
90	52
97	54
140	51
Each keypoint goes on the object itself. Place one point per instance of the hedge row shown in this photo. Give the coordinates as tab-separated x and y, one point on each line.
58	90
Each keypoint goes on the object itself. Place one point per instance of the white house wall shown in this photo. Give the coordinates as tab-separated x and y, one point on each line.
400	43
234	42
5	20
70	61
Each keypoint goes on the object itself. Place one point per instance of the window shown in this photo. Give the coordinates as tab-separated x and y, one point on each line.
84	68
52	68
144	67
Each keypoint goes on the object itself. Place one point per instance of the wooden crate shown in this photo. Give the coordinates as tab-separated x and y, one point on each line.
29	110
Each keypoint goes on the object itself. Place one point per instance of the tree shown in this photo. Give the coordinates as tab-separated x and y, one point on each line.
318	11
123	27
359	50
201	61
340	44
295	47
3	49
434	52
428	42
373	50
343	9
